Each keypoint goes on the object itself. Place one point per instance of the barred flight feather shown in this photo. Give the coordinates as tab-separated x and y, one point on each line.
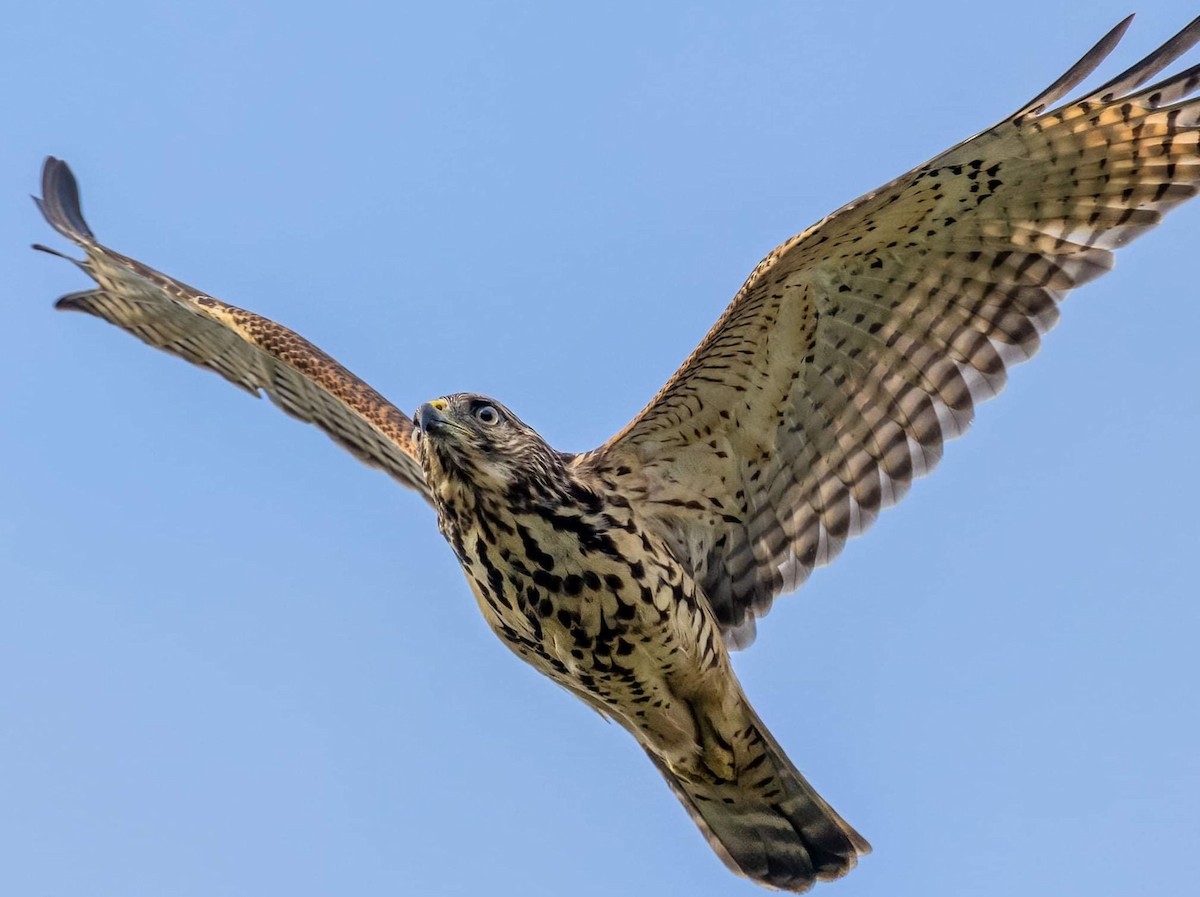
859	346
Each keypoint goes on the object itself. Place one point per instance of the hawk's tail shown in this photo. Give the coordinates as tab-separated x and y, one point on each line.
769	824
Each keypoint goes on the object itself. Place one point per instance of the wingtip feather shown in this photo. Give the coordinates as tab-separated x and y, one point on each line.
1150	65
41	247
1076	73
59	202
76	302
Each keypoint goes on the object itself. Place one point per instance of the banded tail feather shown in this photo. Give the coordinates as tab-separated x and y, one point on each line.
769	824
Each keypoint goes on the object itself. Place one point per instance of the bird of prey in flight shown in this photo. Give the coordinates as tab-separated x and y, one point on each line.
850	355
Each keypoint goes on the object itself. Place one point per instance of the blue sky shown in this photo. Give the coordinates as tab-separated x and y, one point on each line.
235	662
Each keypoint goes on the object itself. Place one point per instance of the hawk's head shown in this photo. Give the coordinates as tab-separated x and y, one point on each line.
472	440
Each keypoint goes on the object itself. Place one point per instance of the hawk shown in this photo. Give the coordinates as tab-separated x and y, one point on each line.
853	351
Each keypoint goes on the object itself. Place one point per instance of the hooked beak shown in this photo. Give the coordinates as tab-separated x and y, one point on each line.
429	417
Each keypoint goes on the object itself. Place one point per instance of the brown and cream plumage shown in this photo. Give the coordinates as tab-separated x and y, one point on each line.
849	356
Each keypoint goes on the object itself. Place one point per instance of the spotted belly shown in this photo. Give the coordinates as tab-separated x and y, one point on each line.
627	636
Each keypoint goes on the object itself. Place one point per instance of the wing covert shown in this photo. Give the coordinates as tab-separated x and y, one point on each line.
857	347
246	349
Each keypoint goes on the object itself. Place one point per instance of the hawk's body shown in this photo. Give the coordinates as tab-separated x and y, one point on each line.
850	355
574	580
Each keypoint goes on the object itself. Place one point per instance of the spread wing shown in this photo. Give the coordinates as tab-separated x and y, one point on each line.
857	347
246	349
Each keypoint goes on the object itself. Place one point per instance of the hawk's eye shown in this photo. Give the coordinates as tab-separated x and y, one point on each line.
487	414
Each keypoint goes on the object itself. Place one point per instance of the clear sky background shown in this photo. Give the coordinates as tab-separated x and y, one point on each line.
235	662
